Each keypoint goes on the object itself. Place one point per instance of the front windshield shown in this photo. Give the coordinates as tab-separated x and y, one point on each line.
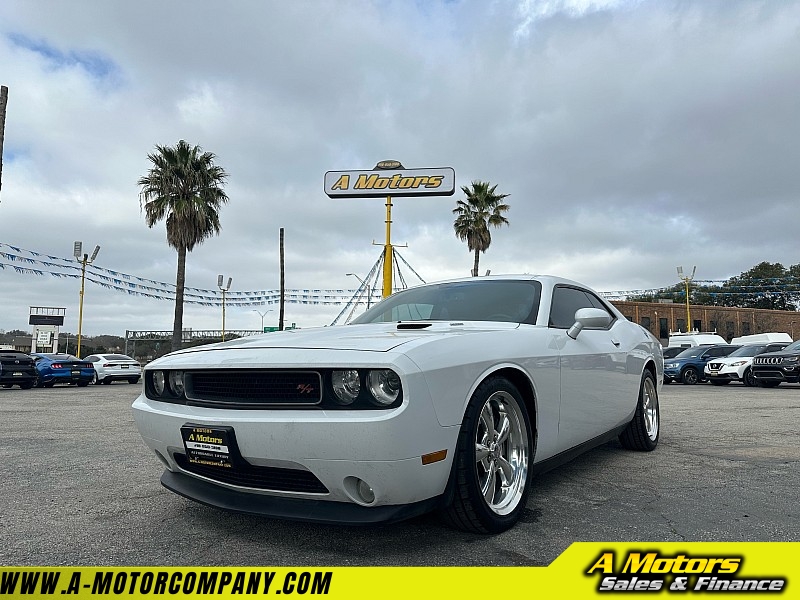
749	350
692	352
511	301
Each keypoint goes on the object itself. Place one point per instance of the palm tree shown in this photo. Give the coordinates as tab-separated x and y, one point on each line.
184	186
483	207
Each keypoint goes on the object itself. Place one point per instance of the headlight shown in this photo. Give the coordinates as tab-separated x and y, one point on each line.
384	385
176	382
790	359
346	385
671	366
158	382
738	363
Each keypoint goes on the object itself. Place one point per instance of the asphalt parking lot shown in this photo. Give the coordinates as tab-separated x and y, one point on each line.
80	488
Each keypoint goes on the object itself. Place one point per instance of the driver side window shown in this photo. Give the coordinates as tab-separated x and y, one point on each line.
566	301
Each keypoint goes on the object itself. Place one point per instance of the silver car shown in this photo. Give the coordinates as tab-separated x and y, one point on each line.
114	367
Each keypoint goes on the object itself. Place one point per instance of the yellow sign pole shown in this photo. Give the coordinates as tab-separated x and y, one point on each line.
387	251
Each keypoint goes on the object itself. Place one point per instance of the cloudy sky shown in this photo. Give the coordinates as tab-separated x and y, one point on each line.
632	137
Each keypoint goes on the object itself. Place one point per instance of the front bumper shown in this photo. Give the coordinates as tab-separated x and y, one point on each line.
296	509
337	448
725	374
787	374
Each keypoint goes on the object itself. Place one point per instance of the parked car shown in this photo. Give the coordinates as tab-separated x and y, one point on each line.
17	368
672	351
688	367
769	370
445	396
62	368
737	366
114	367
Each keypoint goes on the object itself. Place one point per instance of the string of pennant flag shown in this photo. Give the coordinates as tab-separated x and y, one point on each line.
28	262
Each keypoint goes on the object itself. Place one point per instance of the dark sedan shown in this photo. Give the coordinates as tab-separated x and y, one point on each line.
62	368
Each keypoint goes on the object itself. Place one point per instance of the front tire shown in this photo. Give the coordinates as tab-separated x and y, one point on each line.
493	460
748	378
643	431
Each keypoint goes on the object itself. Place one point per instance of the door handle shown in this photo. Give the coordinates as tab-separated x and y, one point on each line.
615	342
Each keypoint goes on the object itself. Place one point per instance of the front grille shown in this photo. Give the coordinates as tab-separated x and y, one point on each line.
715	366
768	360
253	388
259	478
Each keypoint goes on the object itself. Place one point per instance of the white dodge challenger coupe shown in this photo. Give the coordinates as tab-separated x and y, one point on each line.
446	396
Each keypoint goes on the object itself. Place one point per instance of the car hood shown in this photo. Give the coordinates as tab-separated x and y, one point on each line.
374	337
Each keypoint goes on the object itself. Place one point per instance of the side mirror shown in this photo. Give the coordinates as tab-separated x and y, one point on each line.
593	318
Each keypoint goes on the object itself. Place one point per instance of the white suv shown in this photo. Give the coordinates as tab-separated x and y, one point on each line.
114	367
736	366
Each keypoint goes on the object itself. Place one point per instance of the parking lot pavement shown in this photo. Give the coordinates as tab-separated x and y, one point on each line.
80	488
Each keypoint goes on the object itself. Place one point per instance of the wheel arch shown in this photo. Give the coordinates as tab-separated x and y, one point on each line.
525	386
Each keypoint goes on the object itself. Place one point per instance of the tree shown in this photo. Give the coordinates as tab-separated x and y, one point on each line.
184	187
483	207
767	285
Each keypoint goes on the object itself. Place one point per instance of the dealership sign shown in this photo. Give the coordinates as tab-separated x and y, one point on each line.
396	182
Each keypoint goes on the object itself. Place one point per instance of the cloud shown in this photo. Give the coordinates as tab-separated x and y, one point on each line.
632	137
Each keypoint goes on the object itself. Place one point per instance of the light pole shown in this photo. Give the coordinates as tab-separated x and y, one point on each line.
369	292
77	250
687	280
220	279
264	314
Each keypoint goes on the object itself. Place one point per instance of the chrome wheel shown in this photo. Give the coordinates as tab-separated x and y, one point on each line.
501	453
690	376
650	408
644	428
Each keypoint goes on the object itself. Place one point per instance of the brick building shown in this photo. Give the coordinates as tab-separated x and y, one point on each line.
729	322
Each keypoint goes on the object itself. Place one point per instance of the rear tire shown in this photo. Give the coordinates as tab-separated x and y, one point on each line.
133	380
643	431
493	460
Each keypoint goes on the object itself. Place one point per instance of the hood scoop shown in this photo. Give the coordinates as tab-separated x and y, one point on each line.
401	326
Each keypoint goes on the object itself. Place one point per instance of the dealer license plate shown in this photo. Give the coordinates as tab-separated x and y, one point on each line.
213	446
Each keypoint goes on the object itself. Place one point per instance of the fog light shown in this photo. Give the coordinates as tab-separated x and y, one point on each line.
366	493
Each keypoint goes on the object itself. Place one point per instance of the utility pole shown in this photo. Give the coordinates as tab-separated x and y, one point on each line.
77	250
3	104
